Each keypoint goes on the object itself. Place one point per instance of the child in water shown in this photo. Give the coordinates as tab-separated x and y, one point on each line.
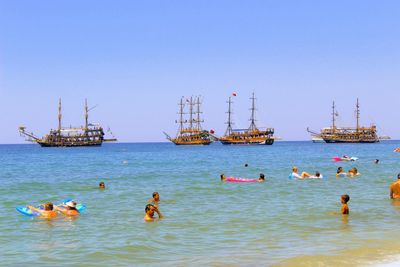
345	208
47	212
155	199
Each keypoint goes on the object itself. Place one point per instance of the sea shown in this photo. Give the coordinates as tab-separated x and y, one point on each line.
281	222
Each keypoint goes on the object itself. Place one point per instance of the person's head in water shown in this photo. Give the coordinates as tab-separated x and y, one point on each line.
48	206
262	177
398	176
71	205
317	174
246	165
294	169
150	209
339	170
376	161
223	178
102	185
344	199
156	196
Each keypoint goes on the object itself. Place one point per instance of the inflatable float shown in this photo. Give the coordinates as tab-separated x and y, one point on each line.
336	159
240	180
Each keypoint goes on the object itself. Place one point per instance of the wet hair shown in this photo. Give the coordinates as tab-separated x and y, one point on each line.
246	165
377	161
155	194
48	206
148	206
262	176
102	184
339	170
398	176
222	176
346	198
317	174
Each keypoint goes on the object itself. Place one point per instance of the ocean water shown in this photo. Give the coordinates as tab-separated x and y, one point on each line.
280	222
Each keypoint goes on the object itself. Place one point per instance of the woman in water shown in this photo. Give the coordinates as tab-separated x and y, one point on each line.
68	208
354	172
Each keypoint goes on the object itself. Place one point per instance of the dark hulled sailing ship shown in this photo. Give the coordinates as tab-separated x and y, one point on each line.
90	134
250	136
358	134
190	131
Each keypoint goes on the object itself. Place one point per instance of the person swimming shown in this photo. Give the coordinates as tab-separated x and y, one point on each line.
340	172
295	173
261	179
223	177
68	208
353	172
317	175
155	199
47	212
149	210
345	207
102	185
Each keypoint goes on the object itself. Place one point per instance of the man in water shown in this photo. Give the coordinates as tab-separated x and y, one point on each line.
395	188
47	212
155	199
102	185
150	209
262	178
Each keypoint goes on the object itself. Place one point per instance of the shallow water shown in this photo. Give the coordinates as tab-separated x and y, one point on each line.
207	222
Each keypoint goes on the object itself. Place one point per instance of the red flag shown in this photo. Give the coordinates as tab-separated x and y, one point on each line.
234	94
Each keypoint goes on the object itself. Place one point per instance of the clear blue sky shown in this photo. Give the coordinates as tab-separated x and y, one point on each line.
135	59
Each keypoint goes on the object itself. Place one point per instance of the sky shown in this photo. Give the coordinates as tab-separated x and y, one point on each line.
136	59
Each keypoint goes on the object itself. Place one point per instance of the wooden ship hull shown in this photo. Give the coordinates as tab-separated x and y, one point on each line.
248	139
88	135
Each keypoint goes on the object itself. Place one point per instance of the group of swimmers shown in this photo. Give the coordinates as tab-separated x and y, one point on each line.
50	210
351	173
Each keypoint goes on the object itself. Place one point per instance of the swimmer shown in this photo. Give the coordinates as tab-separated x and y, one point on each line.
68	209
376	161
155	199
395	188
345	208
354	172
223	178
340	172
47	212
246	165
102	185
295	173
262	178
316	176
149	216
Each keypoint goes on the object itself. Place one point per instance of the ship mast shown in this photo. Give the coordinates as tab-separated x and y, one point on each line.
86	115
229	122
253	126
333	117
358	115
59	116
181	105
198	112
191	114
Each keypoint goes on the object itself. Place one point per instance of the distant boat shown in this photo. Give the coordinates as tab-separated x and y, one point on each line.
91	134
317	140
249	136
190	131
358	134
384	137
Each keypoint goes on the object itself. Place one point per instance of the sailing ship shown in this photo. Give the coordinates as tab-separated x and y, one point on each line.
250	136
358	134
190	131
91	134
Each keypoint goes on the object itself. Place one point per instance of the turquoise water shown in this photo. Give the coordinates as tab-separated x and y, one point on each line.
206	222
